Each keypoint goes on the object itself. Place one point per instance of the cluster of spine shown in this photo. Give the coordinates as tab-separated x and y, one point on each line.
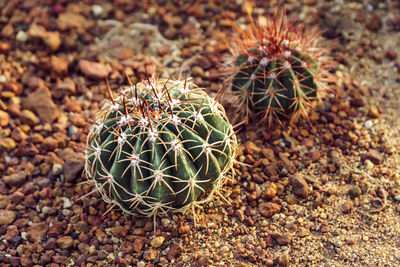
160	146
277	68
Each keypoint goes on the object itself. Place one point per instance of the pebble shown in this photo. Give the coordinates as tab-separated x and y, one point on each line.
72	169
57	168
52	40
36	231
42	104
21	36
374	156
354	191
268	209
97	10
63	88
150	254
157	241
6	217
346	206
28	117
15	179
65	242
4	118
284	259
174	251
94	70
300	186
373	112
59	65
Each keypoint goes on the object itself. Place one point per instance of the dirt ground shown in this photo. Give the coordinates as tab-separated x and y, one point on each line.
325	194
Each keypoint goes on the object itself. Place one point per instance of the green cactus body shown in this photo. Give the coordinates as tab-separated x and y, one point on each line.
159	147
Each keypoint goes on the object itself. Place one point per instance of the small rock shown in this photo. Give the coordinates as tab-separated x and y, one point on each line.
28	117
97	10
269	192
354	192
157	241
374	23
174	251
15	179
281	239
42	104
251	148
357	102
314	155
52	40
4	118
65	87
36	231
346	206
71	20
65	242
6	217
150	255
36	31
373	155
268	209
59	65
373	112
300	186
303	232
21	36
7	144
57	168
94	70
138	244
284	259
72	169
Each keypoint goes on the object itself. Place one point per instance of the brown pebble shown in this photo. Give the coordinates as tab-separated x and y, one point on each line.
374	156
373	112
65	242
346	206
284	259
42	104
300	186
269	208
6	217
15	179
94	70
4	118
374	23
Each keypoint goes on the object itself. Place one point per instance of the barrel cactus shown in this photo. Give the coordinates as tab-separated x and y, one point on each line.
277	68
161	145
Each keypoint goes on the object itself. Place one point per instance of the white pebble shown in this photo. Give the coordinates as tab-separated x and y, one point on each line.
57	168
22	36
3	78
97	10
368	124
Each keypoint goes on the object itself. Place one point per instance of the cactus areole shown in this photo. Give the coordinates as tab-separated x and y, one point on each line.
276	68
160	146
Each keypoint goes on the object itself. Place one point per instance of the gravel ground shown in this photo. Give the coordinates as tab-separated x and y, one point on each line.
320	195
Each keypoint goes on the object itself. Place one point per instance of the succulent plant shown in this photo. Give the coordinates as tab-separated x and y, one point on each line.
161	145
277	68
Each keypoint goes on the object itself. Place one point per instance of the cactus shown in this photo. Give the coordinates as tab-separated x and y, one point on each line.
161	145
277	69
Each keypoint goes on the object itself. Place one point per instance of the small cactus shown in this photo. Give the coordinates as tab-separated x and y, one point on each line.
160	146
276	68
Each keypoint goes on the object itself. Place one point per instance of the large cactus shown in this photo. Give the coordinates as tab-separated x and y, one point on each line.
277	68
159	146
